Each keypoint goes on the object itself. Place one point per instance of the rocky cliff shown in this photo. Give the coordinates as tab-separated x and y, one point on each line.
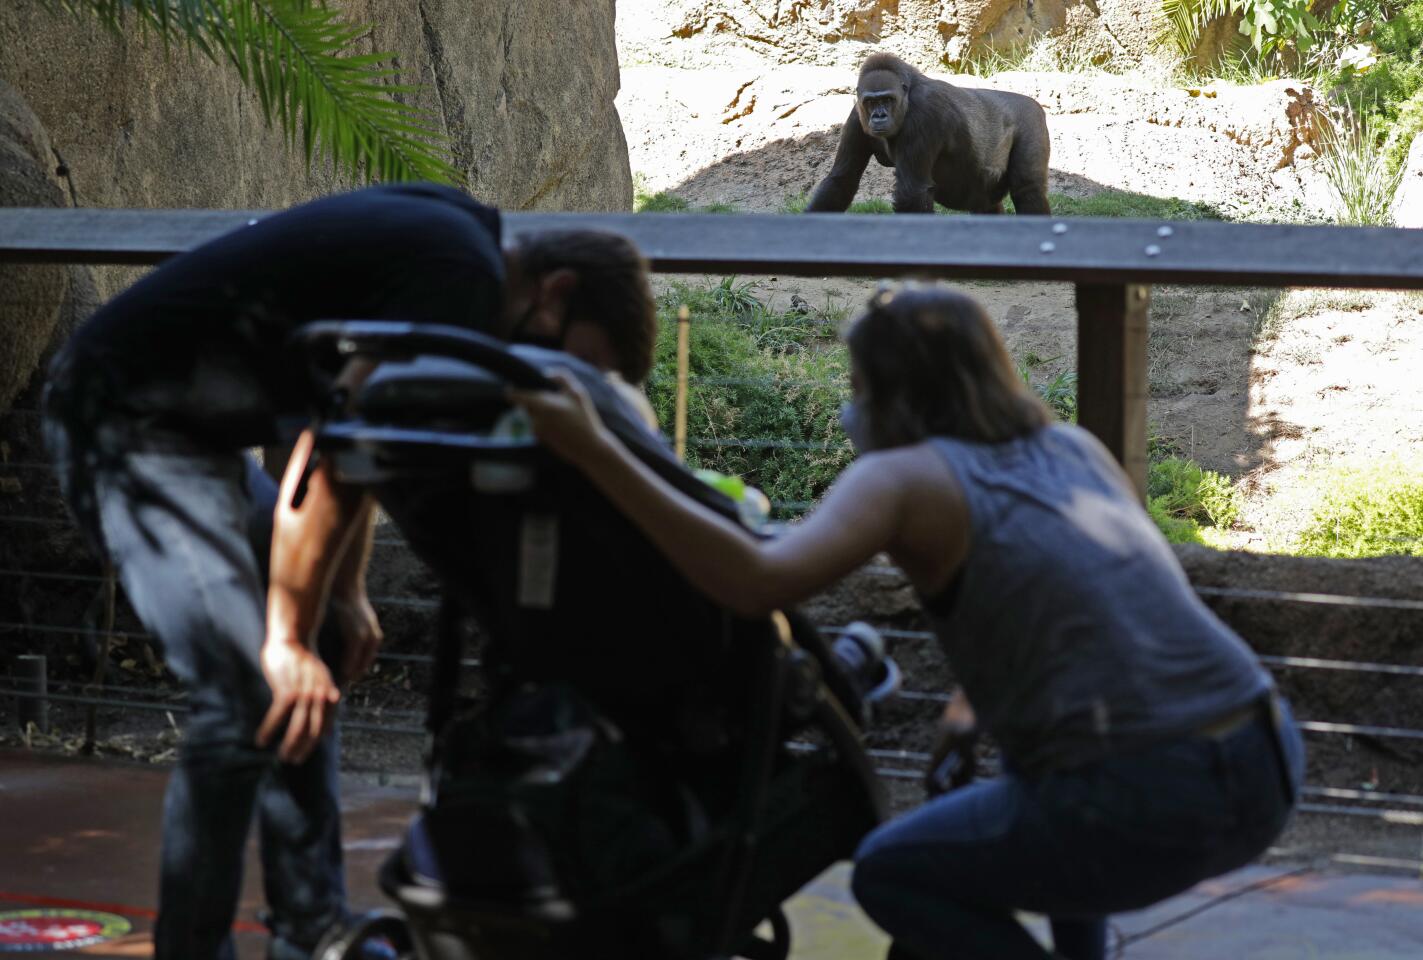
523	88
928	33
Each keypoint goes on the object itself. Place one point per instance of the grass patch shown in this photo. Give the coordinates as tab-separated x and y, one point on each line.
664	202
797	202
765	395
1272	316
1129	205
1365	511
1107	203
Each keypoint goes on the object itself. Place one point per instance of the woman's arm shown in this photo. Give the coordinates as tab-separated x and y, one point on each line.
858	518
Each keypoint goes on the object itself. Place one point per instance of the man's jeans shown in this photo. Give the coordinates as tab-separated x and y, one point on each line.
185	532
1116	835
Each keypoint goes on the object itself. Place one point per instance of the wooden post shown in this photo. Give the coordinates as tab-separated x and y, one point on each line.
684	356
1111	370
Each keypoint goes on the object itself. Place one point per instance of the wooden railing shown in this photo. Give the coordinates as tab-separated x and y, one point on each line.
1113	264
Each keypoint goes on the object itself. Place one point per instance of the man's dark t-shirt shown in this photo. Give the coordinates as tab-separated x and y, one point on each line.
197	349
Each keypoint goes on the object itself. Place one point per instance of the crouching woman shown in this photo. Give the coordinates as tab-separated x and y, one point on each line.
1144	747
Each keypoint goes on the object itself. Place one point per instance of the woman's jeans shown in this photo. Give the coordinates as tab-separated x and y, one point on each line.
1115	835
189	534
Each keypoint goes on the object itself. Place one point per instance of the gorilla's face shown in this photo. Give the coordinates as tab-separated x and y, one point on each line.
882	99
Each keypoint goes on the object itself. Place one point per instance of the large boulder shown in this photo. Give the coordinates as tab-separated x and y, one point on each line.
30	296
523	88
1408	202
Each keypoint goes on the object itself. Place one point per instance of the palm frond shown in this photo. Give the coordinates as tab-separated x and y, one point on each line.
1184	21
302	61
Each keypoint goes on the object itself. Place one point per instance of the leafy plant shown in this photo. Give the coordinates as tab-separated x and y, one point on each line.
1389	83
304	62
1272	27
1179	488
1175	529
765	390
1060	393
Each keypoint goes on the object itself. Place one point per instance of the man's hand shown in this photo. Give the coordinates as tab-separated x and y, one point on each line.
304	697
361	635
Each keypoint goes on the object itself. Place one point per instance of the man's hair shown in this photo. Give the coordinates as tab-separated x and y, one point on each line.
612	289
931	364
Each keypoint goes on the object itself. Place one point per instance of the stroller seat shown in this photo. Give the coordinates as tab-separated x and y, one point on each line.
623	787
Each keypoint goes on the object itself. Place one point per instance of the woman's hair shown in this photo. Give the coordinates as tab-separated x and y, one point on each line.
612	290
931	363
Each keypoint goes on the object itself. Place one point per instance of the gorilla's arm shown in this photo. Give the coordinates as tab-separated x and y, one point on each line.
914	175
837	190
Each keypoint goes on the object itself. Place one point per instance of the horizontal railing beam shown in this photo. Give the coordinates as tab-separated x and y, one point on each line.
1096	250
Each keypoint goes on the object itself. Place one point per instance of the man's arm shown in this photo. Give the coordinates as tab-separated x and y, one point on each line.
309	546
350	606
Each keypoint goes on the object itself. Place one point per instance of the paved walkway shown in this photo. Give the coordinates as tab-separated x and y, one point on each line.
83	835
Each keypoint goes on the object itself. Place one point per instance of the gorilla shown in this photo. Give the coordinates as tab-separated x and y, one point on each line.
963	147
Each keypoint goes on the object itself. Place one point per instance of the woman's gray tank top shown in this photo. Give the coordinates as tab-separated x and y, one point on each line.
1072	627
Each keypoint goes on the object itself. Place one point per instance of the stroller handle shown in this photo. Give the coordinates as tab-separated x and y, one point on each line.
402	340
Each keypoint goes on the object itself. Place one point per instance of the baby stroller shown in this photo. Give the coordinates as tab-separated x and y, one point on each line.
624	785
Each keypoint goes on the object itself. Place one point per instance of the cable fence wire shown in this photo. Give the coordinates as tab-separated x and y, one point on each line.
1378	805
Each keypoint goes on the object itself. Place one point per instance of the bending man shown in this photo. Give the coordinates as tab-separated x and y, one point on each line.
149	408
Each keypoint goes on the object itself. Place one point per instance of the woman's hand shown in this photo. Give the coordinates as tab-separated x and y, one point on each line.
953	762
565	419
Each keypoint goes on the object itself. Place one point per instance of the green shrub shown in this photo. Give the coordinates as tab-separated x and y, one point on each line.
659	202
1180	489
1408	126
1176	529
1368	512
1396	36
758	376
1271	27
1059	393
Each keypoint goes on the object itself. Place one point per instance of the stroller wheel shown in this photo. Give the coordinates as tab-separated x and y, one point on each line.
776	948
377	935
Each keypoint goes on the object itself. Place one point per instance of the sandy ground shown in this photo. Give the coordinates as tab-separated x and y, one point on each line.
1264	385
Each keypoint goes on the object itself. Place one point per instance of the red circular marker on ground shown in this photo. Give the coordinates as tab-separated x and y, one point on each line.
50	928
